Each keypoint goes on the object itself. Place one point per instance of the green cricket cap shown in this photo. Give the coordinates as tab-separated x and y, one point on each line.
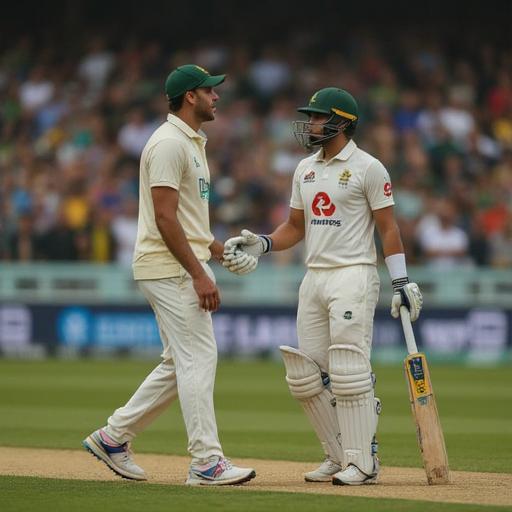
332	100
188	77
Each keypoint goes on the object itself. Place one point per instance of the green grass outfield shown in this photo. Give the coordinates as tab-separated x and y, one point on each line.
38	494
54	404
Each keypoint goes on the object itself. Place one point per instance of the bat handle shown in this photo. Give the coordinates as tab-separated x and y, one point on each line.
410	340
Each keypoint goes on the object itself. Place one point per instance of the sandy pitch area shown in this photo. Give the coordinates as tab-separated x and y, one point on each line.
284	476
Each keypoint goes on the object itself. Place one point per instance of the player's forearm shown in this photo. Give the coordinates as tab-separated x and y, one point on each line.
177	243
391	241
394	254
286	235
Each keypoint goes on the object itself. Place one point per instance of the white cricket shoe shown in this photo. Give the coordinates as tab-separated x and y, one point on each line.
218	471
117	457
352	475
324	472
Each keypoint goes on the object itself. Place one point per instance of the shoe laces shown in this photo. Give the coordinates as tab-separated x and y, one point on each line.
225	463
353	470
126	455
330	463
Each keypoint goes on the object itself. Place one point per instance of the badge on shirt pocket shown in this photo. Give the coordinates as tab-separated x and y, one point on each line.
343	178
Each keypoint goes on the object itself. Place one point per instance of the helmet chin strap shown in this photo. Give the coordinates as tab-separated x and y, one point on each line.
333	129
320	140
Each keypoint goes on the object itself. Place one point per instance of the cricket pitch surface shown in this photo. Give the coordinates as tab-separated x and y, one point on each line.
283	476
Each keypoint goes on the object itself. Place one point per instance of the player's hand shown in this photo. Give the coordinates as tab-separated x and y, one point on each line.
252	244
408	295
208	293
238	261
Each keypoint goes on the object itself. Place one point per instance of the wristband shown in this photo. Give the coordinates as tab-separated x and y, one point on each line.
399	283
267	243
396	266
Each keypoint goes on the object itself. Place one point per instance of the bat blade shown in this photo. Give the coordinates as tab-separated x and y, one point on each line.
426	417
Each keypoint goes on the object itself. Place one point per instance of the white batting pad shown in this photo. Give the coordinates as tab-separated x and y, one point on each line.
356	405
310	387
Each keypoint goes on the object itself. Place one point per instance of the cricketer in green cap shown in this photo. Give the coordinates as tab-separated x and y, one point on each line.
189	77
341	114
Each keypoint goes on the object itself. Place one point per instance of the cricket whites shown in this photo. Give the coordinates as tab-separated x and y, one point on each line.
424	409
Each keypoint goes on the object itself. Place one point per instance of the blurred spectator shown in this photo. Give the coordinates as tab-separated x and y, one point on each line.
407	114
96	66
409	208
270	73
456	119
102	244
429	119
494	219
135	133
501	245
124	230
480	246
443	244
500	95
23	242
60	242
37	91
76	206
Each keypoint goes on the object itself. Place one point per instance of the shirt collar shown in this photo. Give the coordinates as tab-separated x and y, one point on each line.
344	154
185	128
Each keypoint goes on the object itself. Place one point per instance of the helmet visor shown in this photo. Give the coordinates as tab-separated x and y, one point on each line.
302	132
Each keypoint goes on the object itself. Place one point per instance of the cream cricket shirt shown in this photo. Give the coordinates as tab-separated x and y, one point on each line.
175	157
338	197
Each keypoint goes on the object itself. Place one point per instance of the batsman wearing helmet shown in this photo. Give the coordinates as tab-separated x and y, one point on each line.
340	193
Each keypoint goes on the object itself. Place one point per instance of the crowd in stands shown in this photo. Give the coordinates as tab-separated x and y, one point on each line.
72	129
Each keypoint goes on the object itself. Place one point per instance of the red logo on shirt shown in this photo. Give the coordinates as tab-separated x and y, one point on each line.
387	189
322	205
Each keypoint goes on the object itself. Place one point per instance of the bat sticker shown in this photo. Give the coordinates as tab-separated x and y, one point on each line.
417	376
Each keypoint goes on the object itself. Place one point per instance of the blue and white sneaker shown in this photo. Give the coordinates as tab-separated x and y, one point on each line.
117	457
218	471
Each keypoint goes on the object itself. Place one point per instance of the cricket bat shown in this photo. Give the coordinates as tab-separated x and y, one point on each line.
424	408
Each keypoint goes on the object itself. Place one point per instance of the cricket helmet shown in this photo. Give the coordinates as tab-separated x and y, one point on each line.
339	105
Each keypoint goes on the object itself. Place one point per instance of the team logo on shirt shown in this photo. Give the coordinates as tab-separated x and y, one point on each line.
309	177
344	178
204	189
196	162
388	189
322	206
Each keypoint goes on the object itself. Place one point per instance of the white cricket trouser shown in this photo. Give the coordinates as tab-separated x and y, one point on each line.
187	370
337	306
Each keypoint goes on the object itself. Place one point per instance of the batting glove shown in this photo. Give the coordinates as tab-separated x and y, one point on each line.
408	295
256	245
239	262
